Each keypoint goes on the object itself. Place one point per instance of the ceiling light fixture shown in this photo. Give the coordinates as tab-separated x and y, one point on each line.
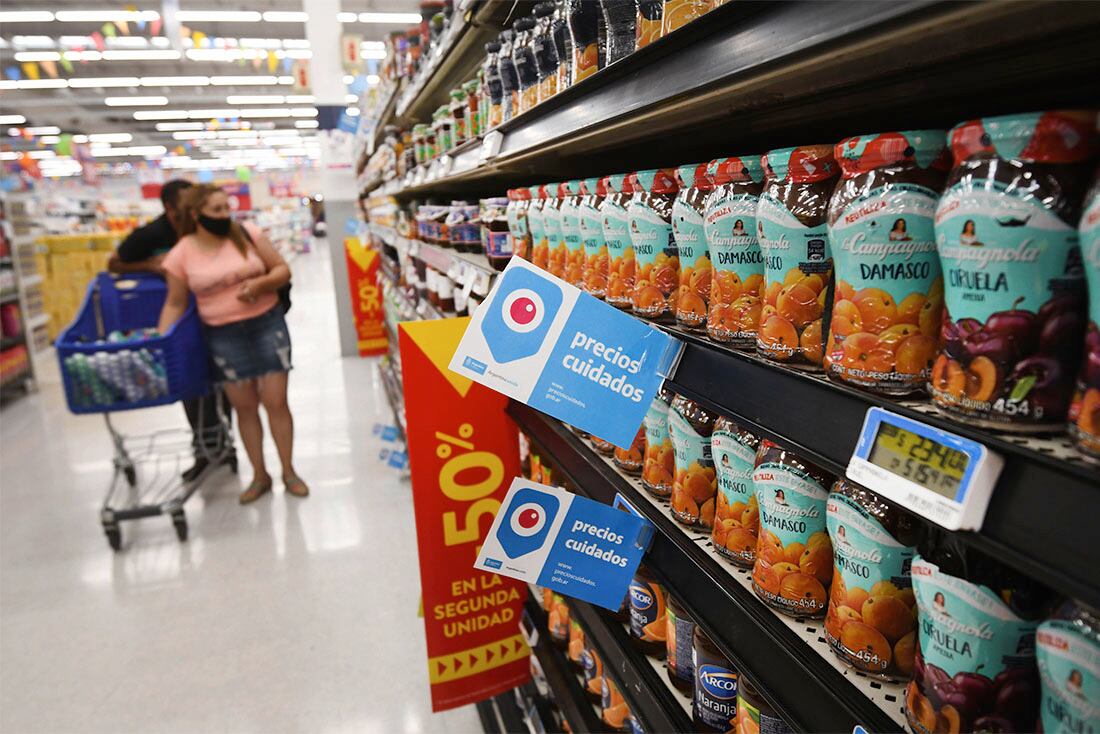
346	17
373	53
32	42
146	55
218	16
135	101
41	84
175	81
255	99
83	56
306	124
25	16
110	137
160	115
269	112
100	82
24	56
103	16
303	112
300	99
399	18
12	119
241	81
47	130
291	16
166	127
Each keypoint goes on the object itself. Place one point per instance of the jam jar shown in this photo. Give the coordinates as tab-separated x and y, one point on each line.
1084	412
584	21
657	266
659	464
648	25
594	273
1068	653
536	227
754	713
647	613
630	459
974	668
691	246
791	224
736	512
1013	280
523	54
871	622
729	222
573	267
714	704
888	301
519	236
463	227
695	484
679	641
551	217
794	556
616	234
496	238
546	54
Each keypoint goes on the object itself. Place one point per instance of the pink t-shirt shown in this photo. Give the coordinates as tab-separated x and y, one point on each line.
215	277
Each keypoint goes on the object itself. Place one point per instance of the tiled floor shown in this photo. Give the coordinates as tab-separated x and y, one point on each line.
286	616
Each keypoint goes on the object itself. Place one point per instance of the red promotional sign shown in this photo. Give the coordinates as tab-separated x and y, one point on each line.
366	297
240	196
462	459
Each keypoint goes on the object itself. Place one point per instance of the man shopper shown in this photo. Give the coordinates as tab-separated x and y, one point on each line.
142	252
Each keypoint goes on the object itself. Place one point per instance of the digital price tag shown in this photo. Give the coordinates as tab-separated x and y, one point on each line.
446	164
490	145
934	473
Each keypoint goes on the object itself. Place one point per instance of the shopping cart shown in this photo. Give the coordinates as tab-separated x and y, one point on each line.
109	363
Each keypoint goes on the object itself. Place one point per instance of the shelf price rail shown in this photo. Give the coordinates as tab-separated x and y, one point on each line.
800	679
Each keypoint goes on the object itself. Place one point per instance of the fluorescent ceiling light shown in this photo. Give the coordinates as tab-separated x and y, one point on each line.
148	150
300	99
224	54
100	82
389	17
110	137
47	130
255	99
42	154
260	43
32	41
165	127
372	44
196	135
241	81
305	124
12	119
218	16
275	16
41	84
25	16
73	41
287	80
346	17
146	55
128	41
160	115
83	56
135	101
175	81
373	53
104	16
352	111
213	114
303	112
50	139
80	139
373	79
351	98
266	112
348	79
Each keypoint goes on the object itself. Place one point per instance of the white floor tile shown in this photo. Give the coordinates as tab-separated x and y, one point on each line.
286	616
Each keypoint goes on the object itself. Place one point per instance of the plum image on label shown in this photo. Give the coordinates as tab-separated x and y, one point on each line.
975	667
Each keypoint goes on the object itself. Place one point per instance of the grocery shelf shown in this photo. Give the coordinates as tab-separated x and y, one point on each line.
446	260
660	668
568	692
1036	517
765	71
643	687
787	657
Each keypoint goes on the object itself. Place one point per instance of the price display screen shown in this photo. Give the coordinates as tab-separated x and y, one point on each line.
921	460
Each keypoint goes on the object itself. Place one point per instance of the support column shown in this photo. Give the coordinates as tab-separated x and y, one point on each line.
337	169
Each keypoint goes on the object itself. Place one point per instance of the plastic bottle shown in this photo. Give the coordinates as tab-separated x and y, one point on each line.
509	78
523	54
546	53
584	19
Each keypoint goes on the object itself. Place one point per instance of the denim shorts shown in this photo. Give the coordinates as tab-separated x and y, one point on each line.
247	349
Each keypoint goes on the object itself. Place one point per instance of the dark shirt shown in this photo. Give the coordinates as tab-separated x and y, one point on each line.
155	238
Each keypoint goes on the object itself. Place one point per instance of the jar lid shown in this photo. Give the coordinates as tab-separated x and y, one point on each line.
735	170
630	183
569	188
551	190
590	185
694	175
1056	136
535	192
863	153
519	194
613	184
804	164
657	180
525	23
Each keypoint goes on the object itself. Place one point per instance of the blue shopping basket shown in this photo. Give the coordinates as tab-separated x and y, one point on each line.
102	377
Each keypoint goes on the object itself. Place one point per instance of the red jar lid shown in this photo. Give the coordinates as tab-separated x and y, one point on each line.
656	181
863	153
741	169
694	175
804	164
569	188
630	183
1056	136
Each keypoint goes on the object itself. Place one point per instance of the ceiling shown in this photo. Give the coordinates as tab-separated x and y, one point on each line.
226	78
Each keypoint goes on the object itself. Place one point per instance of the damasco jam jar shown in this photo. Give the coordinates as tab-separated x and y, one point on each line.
657	264
1013	280
885	325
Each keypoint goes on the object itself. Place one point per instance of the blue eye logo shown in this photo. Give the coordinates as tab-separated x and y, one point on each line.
527	521
718	682
522	312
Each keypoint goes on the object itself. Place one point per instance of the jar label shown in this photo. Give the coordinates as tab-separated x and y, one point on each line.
465	233
736	514
695	483
797	275
751	721
595	251
679	642
968	639
872	608
517	219
659	464
592	237
792	502
620	252
715	699
573	268
496	244
656	270
552	221
593	670
1084	414
695	268
889	291
647	610
737	290
687	229
1069	669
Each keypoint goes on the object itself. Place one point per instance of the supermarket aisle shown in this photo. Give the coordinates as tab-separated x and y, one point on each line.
285	616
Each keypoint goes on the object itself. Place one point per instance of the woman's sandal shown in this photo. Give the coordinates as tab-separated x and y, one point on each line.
255	491
296	487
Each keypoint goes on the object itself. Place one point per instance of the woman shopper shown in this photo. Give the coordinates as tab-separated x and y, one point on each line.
235	273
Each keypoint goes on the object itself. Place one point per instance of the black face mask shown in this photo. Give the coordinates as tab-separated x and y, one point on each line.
215	225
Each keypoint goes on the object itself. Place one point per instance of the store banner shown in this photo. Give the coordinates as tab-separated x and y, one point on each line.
545	343
366	296
463	451
569	544
240	195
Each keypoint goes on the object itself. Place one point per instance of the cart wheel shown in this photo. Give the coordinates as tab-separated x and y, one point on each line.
179	520
114	537
131	475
